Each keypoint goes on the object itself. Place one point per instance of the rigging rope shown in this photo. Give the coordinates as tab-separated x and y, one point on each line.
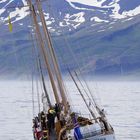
33	69
38	97
33	102
70	50
93	115
37	87
43	82
83	87
43	87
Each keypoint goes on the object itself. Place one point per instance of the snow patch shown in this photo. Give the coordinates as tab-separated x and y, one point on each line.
100	31
49	22
127	19
98	19
99	4
1	11
116	11
21	24
133	12
51	29
19	13
75	26
47	16
3	1
24	2
78	8
125	14
77	18
62	24
96	3
111	3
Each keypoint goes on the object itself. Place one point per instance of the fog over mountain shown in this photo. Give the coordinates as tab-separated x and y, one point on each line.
103	35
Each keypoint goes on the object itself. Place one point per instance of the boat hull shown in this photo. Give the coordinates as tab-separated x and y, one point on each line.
101	137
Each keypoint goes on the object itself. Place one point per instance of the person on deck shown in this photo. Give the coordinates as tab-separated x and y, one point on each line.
38	133
43	120
51	119
57	110
36	128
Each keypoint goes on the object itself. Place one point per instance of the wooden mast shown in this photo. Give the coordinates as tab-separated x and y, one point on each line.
52	53
44	51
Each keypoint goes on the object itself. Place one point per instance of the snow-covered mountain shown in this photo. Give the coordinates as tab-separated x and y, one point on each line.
73	13
93	26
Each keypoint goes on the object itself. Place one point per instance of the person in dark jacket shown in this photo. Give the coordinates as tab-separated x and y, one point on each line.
57	110
51	118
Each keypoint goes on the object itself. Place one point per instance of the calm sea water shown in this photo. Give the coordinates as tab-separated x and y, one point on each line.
121	100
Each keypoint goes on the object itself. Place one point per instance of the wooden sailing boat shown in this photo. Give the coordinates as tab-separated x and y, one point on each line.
69	124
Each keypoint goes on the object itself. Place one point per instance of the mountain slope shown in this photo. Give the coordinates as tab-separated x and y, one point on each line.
103	35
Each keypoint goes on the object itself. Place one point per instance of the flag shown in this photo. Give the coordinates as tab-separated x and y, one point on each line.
77	132
10	24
